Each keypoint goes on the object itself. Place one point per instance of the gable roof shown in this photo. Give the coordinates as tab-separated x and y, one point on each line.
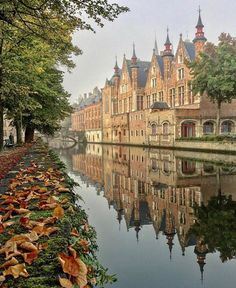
190	48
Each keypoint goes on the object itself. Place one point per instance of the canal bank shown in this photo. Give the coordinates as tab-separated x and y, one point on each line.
224	147
46	240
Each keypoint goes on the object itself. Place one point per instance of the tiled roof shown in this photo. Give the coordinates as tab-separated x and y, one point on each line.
143	67
190	48
159	105
161	64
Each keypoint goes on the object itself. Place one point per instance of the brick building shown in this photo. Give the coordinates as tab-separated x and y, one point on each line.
152	102
86	121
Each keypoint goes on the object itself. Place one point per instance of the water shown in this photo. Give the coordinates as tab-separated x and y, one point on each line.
141	203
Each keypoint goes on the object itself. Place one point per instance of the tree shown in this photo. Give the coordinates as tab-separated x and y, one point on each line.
51	21
214	73
216	225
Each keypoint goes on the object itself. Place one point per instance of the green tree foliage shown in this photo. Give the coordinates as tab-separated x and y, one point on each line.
214	72
22	24
216	224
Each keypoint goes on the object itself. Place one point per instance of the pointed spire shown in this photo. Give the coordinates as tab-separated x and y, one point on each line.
168	45
155	49
199	35
116	68
134	57
199	22
167	38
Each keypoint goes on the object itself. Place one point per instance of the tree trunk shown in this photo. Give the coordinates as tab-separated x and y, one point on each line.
18	126
218	118
29	134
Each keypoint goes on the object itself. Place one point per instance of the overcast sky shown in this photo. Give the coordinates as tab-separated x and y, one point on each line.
146	18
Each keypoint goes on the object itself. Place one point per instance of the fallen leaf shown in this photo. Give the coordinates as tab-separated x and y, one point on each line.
69	264
81	279
28	246
11	262
16	271
58	212
30	257
74	232
66	283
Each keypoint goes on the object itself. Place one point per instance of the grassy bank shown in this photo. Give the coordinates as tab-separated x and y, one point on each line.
46	240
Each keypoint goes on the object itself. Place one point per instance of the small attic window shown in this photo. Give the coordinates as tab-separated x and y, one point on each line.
180	59
153	70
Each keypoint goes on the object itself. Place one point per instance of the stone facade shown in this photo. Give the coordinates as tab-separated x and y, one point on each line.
86	121
152	102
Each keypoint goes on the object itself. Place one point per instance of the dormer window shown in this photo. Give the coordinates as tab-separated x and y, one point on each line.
180	73
153	70
153	82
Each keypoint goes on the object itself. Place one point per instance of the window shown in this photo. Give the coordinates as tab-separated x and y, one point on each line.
154	97
132	133
120	106
172	97
141	132
154	164
153	82
208	127
180	74
139	102
181	95
136	132
124	132
165	128
153	70
130	104
227	127
190	94
148	101
154	129
161	96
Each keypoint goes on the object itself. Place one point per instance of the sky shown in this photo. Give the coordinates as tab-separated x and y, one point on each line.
146	19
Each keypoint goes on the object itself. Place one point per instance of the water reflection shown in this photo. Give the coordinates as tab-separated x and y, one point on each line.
182	199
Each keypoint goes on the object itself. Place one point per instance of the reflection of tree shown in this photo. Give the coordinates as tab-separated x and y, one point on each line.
216	225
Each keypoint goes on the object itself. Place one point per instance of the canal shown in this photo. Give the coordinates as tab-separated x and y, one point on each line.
163	218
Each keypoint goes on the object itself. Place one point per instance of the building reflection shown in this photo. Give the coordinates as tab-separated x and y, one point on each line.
155	187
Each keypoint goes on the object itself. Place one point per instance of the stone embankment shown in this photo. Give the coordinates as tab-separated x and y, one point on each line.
45	238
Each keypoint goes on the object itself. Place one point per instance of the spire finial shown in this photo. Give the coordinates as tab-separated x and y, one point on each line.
168	45
155	49
199	35
134	57
116	68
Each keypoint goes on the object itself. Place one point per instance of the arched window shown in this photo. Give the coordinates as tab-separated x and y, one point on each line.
188	129
154	129
165	128
227	127
208	127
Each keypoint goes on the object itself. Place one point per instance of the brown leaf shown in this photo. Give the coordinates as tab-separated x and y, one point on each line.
69	264
11	262
2	279
74	232
81	279
66	283
58	212
28	246
63	189
30	257
16	271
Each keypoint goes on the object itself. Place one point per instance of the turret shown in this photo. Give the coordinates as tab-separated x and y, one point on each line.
167	56
200	39
155	49
134	73
116	76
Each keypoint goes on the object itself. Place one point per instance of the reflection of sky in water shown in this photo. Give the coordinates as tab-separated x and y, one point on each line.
147	262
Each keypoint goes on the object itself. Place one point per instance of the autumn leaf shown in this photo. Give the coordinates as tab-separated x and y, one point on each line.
16	271
66	283
81	279
74	232
28	246
63	189
30	257
58	212
69	264
8	263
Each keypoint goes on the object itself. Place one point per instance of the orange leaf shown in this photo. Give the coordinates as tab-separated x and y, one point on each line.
66	283
1	228
16	271
81	279
74	232
11	262
58	212
63	189
69	264
28	246
30	257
